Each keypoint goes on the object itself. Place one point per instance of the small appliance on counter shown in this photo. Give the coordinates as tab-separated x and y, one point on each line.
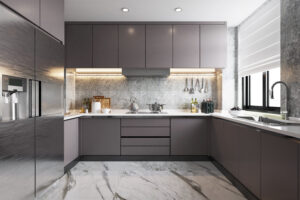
207	106
96	104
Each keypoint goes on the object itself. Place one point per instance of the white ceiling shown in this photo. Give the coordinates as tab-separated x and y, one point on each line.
232	11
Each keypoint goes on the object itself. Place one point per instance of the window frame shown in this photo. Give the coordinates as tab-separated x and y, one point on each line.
246	95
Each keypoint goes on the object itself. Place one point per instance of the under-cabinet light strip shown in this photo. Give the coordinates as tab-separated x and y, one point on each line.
118	71
99	71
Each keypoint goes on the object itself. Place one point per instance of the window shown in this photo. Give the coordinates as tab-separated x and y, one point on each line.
256	91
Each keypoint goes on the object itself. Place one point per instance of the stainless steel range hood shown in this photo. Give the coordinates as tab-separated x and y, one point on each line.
145	72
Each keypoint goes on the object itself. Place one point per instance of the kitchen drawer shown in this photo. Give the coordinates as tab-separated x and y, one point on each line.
145	131
145	122
145	150
145	142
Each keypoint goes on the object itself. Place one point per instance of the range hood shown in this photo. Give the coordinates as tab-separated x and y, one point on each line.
145	72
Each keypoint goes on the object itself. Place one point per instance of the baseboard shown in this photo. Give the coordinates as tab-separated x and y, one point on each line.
145	158
248	194
71	165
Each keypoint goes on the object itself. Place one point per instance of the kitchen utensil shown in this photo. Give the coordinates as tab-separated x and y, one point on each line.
186	89
156	107
206	86
202	86
134	107
192	90
197	85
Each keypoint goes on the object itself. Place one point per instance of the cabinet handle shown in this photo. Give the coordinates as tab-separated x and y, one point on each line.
258	130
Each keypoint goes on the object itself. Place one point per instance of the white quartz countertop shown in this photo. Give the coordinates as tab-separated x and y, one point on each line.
289	130
145	113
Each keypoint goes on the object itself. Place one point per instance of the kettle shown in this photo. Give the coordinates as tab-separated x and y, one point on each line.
134	107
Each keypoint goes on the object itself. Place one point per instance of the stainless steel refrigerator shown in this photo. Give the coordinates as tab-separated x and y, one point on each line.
31	108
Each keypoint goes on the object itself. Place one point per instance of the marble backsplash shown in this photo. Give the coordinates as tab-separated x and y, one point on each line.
290	53
165	90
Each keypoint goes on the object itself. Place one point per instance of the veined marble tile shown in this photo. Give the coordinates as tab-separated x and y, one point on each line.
143	181
146	90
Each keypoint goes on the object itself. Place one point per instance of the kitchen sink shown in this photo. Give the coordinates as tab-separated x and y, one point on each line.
270	122
145	112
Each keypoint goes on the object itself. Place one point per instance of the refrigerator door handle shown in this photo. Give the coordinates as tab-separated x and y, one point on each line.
35	98
38	98
31	98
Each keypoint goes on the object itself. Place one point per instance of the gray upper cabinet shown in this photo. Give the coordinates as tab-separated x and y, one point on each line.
189	136
28	8
79	46
279	168
213	46
186	46
52	17
152	46
249	149
100	136
158	46
132	46
105	46
48	14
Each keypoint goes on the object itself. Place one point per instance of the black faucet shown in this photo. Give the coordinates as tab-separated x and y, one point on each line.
283	111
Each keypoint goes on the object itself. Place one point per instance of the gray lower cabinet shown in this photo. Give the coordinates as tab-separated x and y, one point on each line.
71	140
298	171
266	164
186	46
105	46
145	131
158	46
213	46
279	168
237	148
249	149
100	136
157	122
52	17
132	46
216	140
189	136
79	46
230	134
145	146
145	136
145	150
28	8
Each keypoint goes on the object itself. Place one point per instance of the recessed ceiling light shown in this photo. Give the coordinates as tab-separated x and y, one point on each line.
125	9
178	9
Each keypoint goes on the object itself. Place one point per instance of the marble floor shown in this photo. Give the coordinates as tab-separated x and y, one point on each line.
143	181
